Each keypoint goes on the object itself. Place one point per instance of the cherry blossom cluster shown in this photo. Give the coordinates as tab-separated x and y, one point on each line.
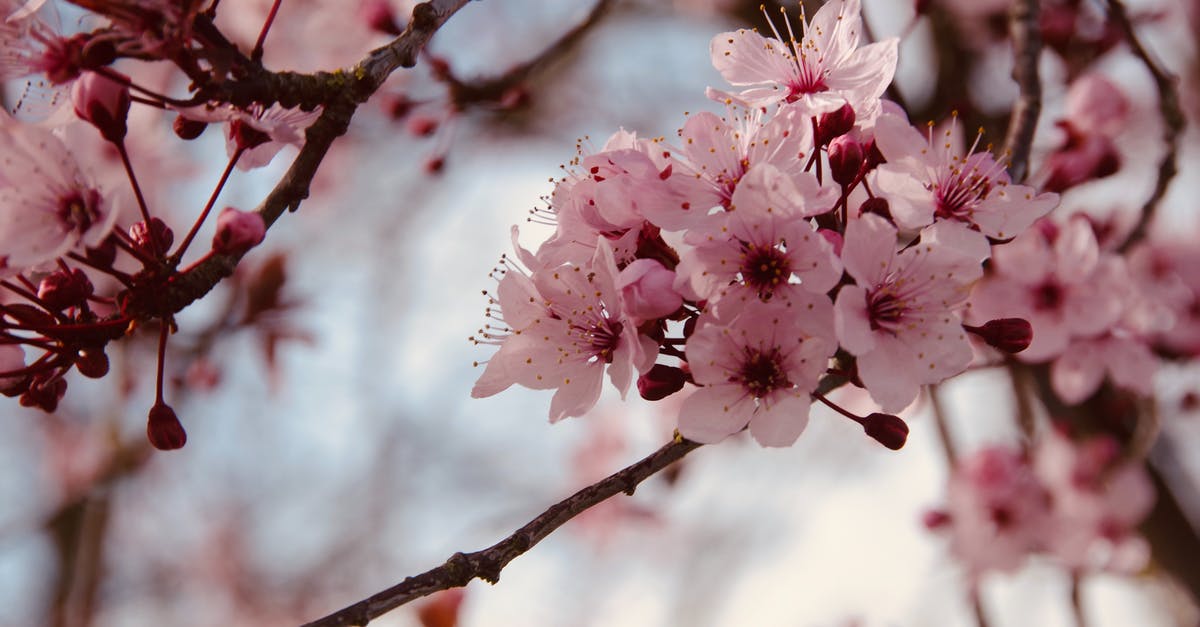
1075	501
810	234
85	259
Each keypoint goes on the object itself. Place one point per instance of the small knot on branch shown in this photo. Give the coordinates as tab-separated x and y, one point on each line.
424	16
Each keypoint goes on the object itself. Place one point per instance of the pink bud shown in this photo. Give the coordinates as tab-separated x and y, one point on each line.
163	428
1010	335
887	429
845	159
238	231
647	287
660	382
936	519
44	393
103	102
60	289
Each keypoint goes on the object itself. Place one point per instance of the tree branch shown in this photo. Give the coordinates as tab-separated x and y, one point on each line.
1173	124
1027	49
350	89
486	564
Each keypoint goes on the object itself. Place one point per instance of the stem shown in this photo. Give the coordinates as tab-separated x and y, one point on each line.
1077	600
137	190
212	199
461	568
162	360
257	53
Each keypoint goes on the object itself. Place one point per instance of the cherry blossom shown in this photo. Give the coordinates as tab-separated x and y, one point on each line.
820	72
901	318
934	177
758	370
47	205
564	326
1059	281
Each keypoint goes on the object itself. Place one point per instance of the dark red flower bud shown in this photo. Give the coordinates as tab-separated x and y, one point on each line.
845	160
104	102
62	289
44	394
188	129
92	363
1010	335
141	235
877	205
660	382
886	429
164	429
422	125
834	124
15	386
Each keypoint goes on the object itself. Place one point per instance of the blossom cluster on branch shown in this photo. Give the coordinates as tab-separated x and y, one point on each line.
810	231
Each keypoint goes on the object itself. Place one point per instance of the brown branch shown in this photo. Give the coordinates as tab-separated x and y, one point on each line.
353	87
1173	124
486	564
1027	49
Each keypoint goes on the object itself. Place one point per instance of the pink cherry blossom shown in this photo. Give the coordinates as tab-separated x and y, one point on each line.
934	177
1079	371
998	510
564	326
758	370
1098	502
718	152
1096	106
901	317
47	206
763	245
260	133
1065	288
820	72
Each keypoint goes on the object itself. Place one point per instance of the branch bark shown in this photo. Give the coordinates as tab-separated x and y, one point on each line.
1173	124
486	564
1026	37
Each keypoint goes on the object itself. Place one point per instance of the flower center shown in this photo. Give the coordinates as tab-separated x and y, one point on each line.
601	339
884	310
76	213
762	372
1048	296
764	268
807	81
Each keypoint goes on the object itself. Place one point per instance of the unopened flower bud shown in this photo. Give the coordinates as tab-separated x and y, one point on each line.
61	289
660	382
140	234
164	429
1010	335
845	159
103	102
92	363
647	287
186	128
435	165
238	231
834	124
886	429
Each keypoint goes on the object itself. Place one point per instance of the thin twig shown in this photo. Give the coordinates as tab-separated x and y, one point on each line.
1173	124
1026	37
1077	600
461	568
